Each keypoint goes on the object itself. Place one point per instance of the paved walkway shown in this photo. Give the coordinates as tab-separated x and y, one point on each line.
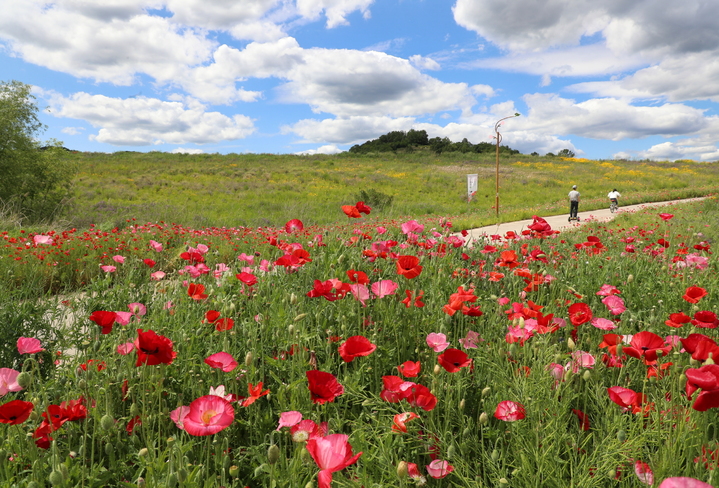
559	222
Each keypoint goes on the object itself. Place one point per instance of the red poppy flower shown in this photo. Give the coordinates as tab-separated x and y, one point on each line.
255	393
705	319
15	412
351	211
325	289
509	411
212	315
700	346
453	360
134	422
420	396
153	349
104	319
583	419
408	266
323	386
579	313
149	262
400	420
646	345
677	320
409	369
196	291
706	378
694	293
363	208
294	225
354	347
358	277
394	388
417	300
666	216
225	323
193	257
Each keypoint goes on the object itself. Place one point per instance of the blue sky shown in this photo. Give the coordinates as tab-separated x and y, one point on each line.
635	79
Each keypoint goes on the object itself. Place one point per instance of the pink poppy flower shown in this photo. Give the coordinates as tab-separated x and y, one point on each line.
643	472
615	304
289	419
331	453
381	230
178	416
123	318
412	226
119	259
438	469
41	239
437	341
8	381
208	415
683	482
502	301
220	392
307	429
108	268
360	292
383	288
607	290
28	345
126	348
157	275
247	258
604	324
509	411
221	360
137	308
470	341
581	359
156	245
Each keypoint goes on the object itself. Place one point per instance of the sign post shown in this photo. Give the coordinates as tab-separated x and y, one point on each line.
471	187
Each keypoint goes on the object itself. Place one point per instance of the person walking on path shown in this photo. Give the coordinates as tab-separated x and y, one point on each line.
573	203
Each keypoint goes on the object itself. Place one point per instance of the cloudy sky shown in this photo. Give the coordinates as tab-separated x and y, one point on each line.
604	78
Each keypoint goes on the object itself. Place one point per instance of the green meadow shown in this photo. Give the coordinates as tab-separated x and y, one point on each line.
257	190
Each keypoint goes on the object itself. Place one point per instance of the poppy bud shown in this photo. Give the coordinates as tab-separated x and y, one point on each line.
571	344
587	375
172	480
621	436
55	478
619	349
300	317
630	278
503	481
32	484
461	404
483	418
520	322
181	475
495	455
402	469
567	375
142	452
450	451
140	482
710	359
612	473
234	471
513	349
293	299
260	469
82	384
24	379
682	379
694	363
437	369
107	422
225	462
248	359
273	454
134	409
309	485
466	432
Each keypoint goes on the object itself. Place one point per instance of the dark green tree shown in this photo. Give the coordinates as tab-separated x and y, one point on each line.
35	179
565	153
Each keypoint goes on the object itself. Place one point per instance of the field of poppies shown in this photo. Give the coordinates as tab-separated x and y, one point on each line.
368	354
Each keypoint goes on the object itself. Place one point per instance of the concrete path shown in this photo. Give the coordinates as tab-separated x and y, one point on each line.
560	223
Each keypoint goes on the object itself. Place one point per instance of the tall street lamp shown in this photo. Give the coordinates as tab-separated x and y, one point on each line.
499	140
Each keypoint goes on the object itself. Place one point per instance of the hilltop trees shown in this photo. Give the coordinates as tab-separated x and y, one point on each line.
414	139
35	180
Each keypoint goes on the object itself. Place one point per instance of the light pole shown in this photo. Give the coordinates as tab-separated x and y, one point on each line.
499	139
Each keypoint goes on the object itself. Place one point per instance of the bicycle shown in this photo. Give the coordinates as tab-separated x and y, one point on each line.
613	205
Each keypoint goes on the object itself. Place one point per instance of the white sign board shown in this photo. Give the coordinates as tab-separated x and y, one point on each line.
471	186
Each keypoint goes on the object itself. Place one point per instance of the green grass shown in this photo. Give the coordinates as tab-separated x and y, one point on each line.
266	190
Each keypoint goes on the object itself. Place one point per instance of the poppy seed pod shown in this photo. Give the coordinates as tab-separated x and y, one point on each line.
234	471
181	475
273	454
450	451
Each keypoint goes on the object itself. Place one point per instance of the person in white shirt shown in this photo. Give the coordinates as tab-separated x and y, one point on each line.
573	203
613	195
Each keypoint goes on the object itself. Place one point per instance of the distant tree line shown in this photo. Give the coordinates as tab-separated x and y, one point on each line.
413	139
